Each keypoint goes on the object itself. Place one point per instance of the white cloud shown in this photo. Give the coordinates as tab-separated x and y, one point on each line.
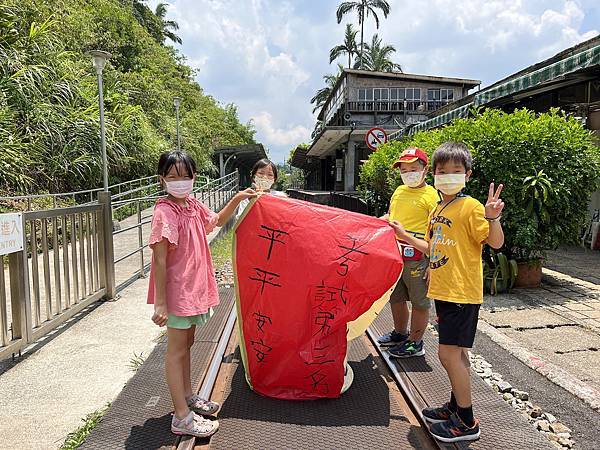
269	56
286	136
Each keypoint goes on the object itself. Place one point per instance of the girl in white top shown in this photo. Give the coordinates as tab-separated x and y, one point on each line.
264	176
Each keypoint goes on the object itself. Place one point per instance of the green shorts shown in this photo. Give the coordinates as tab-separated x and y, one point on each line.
187	322
412	287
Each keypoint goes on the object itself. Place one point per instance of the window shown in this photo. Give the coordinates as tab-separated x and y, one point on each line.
438	97
413	94
397	93
381	94
365	95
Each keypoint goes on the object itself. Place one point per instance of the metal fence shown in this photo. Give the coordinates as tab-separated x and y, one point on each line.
70	254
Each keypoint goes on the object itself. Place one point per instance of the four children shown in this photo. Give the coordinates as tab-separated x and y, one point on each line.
440	236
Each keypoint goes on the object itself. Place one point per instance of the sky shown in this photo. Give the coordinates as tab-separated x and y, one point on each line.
269	56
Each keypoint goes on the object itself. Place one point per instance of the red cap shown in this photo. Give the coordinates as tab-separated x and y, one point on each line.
410	155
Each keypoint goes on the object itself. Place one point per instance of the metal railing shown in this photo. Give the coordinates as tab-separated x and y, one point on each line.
213	193
70	254
396	105
59	272
350	202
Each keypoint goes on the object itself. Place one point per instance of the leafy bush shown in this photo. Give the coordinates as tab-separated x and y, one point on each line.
548	163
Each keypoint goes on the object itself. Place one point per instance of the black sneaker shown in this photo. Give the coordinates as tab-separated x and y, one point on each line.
455	430
407	350
392	338
437	415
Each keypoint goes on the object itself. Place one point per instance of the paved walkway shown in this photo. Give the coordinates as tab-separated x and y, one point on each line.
76	370
560	321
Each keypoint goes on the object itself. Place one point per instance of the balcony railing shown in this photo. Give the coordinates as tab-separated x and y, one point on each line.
396	105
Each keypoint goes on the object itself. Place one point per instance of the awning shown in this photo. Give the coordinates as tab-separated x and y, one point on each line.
442	119
546	74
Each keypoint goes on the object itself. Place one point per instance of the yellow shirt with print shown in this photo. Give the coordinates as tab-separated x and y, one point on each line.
412	207
456	232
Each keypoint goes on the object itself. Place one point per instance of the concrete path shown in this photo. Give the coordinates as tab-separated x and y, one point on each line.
557	325
75	371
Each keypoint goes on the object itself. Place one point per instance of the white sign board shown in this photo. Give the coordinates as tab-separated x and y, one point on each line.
11	233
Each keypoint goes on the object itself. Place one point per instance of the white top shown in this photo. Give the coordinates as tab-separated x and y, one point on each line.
244	203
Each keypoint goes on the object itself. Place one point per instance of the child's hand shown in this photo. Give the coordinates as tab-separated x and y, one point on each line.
398	228
246	193
494	205
160	315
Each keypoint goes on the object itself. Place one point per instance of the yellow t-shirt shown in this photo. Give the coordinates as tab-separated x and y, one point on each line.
456	233
412	207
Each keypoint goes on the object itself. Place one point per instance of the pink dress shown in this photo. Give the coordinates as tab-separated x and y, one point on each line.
191	285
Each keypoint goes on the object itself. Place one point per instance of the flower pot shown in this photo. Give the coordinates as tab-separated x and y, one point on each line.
530	274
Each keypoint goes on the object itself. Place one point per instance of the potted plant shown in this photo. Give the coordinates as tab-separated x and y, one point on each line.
499	272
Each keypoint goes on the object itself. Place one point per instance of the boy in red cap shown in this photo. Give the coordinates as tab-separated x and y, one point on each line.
411	205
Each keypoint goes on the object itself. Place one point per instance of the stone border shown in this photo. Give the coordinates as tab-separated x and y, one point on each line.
557	375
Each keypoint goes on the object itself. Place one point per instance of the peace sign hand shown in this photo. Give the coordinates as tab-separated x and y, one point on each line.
494	204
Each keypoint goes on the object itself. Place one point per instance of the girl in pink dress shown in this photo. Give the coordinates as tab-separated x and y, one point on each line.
182	283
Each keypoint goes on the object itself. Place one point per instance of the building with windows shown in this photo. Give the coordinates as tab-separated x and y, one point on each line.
360	101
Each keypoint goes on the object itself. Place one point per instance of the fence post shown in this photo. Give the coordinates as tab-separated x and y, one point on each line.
19	290
106	250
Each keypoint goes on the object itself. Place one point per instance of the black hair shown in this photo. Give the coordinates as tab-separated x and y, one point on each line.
170	159
452	151
263	163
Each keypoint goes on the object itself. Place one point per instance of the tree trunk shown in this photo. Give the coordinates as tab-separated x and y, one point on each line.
362	25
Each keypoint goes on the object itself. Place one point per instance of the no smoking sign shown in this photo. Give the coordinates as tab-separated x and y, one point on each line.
375	137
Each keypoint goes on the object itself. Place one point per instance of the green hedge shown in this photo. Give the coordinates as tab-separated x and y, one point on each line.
548	163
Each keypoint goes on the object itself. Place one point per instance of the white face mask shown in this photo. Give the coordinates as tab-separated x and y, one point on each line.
412	179
263	183
179	189
450	184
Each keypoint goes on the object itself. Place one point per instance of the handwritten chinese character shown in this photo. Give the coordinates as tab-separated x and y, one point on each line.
265	277
330	293
346	256
261	320
316	381
273	236
261	349
322	319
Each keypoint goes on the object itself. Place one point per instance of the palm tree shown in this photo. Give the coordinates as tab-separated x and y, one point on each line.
168	26
323	94
377	56
349	46
363	8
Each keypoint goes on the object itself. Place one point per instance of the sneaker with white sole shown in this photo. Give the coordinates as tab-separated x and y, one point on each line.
194	425
202	406
407	350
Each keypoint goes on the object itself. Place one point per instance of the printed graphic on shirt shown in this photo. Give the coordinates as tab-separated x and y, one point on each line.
438	256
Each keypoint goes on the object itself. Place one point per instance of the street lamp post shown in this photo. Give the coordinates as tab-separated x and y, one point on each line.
177	102
99	59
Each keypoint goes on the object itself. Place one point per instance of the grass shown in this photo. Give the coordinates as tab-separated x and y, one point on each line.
77	437
136	361
221	250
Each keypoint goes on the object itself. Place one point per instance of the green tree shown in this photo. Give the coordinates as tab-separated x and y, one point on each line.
363	9
168	26
49	119
349	47
377	56
323	94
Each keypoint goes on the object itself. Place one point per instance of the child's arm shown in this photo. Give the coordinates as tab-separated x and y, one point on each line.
493	211
419	244
159	256
226	213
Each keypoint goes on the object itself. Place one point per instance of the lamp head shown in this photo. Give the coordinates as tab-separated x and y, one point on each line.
177	101
99	59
